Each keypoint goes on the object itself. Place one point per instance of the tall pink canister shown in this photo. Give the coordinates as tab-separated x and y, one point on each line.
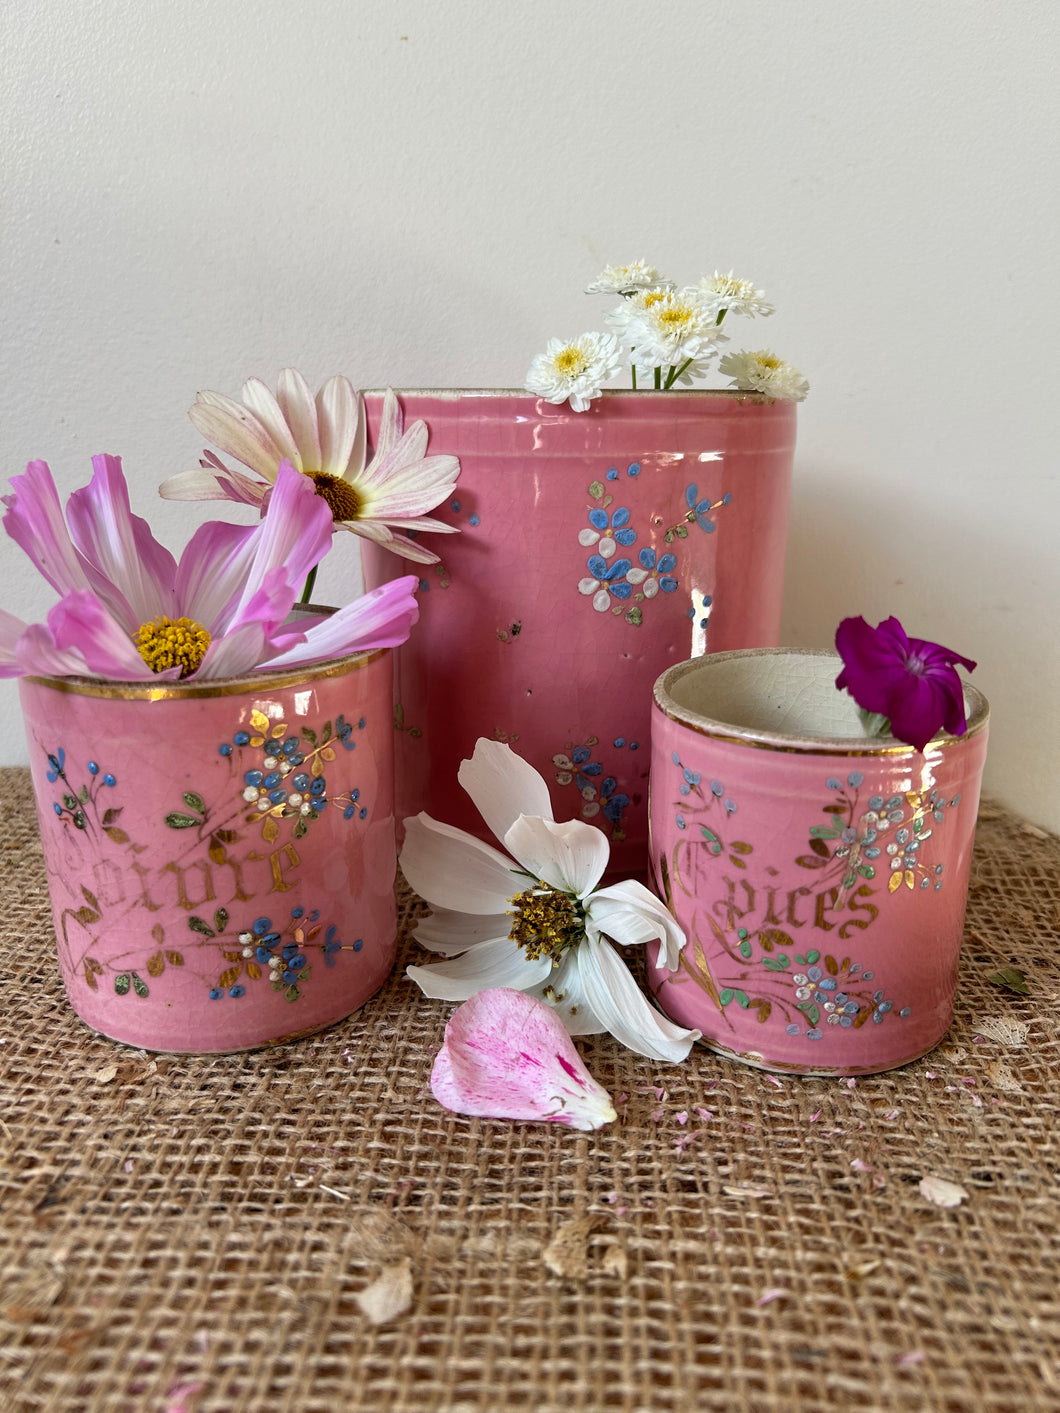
594	550
820	875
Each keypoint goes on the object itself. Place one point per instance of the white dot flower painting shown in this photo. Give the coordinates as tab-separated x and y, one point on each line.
666	336
535	918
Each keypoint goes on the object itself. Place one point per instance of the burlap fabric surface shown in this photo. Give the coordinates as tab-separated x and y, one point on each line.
306	1229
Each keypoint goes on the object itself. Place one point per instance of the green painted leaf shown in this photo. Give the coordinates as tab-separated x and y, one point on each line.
195	802
681	532
197	925
742	999
745	949
182	821
812	957
292	993
399	720
866	871
220	919
822	831
139	985
122	983
726	996
596	489
849	879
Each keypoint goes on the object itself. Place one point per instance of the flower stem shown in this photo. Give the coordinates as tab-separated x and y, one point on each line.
307	591
675	373
633	368
658	377
874	723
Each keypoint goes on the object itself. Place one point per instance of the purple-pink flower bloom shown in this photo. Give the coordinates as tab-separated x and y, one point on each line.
912	682
129	611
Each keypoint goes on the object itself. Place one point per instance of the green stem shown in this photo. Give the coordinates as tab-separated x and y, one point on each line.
311	578
675	373
874	723
658	378
721	316
633	366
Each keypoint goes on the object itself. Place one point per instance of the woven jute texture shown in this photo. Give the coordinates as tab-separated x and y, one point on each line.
186	1235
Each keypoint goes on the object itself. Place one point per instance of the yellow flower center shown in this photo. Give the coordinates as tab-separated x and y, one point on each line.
769	361
571	361
340	497
167	642
676	318
546	922
653	296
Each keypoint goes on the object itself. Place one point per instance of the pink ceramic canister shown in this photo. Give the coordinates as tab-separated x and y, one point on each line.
220	856
595	549
820	875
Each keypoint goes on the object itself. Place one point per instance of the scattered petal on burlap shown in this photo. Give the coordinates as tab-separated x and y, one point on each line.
507	1055
942	1192
389	1295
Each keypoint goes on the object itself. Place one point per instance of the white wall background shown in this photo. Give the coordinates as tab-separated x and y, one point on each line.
414	193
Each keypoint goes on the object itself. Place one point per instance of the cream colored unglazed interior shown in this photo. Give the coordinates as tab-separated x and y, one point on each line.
782	696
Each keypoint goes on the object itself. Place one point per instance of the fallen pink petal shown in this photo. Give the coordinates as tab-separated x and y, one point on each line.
506	1055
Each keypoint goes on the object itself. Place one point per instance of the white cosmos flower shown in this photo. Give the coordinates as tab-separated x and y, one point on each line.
764	372
626	279
575	369
323	437
537	921
734	296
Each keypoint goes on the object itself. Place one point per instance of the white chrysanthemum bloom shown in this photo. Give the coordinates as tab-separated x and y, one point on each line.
633	308
627	279
576	369
324	438
762	371
537	921
679	326
730	295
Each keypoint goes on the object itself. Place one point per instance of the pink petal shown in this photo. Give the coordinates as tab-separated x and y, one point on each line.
382	618
507	1056
134	574
11	631
34	520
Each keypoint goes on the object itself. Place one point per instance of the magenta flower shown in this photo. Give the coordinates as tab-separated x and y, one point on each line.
129	611
909	681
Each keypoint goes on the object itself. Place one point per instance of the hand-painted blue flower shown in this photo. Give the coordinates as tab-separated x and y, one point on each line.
654	573
58	763
614	801
607	532
701	508
605	580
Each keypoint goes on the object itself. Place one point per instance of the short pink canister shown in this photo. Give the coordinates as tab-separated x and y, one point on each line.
594	550
220	856
820	875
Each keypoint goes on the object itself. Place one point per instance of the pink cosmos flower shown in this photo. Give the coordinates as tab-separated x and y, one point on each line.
912	682
129	611
324	438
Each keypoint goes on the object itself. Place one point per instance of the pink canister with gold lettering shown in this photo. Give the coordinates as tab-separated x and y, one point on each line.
220	855
820	875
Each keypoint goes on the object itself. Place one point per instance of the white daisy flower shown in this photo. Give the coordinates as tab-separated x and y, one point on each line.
537	921
679	326
325	439
764	372
730	295
576	369
634	307
627	279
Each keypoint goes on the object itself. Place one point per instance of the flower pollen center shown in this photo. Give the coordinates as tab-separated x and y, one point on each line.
769	360
571	361
677	317
167	642
340	497
546	922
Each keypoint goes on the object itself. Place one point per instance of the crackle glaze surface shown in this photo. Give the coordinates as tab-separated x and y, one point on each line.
822	885
220	866
595	550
